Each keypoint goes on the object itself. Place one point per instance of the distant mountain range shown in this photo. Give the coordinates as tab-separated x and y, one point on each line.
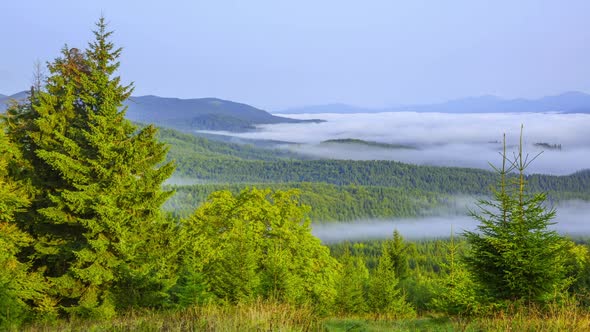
191	114
569	102
218	114
4	99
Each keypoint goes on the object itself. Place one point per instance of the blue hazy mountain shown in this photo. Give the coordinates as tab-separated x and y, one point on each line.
200	113
218	114
4	99
191	114
569	102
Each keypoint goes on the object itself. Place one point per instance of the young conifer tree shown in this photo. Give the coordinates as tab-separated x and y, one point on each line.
385	298
457	294
352	284
398	251
514	255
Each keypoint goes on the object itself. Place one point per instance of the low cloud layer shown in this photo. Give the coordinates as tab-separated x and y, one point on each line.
573	218
430	227
465	140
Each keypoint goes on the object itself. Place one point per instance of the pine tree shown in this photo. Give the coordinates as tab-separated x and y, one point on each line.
514	256
98	224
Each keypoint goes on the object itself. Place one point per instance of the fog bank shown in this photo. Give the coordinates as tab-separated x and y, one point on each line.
464	140
573	218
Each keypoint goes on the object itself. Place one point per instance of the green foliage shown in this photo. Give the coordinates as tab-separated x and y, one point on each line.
19	286
385	297
352	285
398	253
514	256
96	213
259	244
185	146
578	270
328	202
457	292
190	290
369	173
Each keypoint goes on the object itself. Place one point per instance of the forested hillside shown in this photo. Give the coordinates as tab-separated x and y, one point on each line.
184	146
204	159
370	173
201	113
337	190
328	202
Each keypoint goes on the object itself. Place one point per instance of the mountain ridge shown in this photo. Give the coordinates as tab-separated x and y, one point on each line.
191	114
218	114
567	102
200	113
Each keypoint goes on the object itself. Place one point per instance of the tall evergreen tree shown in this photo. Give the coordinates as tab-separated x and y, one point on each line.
514	255
99	185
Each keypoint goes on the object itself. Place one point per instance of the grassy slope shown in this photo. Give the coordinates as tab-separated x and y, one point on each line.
281	317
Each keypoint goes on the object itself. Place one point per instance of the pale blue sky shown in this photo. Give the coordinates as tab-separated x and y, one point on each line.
278	54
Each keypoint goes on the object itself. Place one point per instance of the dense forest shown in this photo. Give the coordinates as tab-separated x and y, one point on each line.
327	202
92	239
366	173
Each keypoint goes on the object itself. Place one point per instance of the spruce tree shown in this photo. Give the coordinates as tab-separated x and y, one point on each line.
98	226
514	255
457	293
385	298
352	284
398	251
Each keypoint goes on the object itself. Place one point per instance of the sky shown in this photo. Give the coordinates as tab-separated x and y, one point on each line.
281	54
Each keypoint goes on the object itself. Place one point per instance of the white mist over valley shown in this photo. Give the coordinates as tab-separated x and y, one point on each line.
572	218
441	139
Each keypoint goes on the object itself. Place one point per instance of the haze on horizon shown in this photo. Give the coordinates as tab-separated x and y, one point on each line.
277	55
